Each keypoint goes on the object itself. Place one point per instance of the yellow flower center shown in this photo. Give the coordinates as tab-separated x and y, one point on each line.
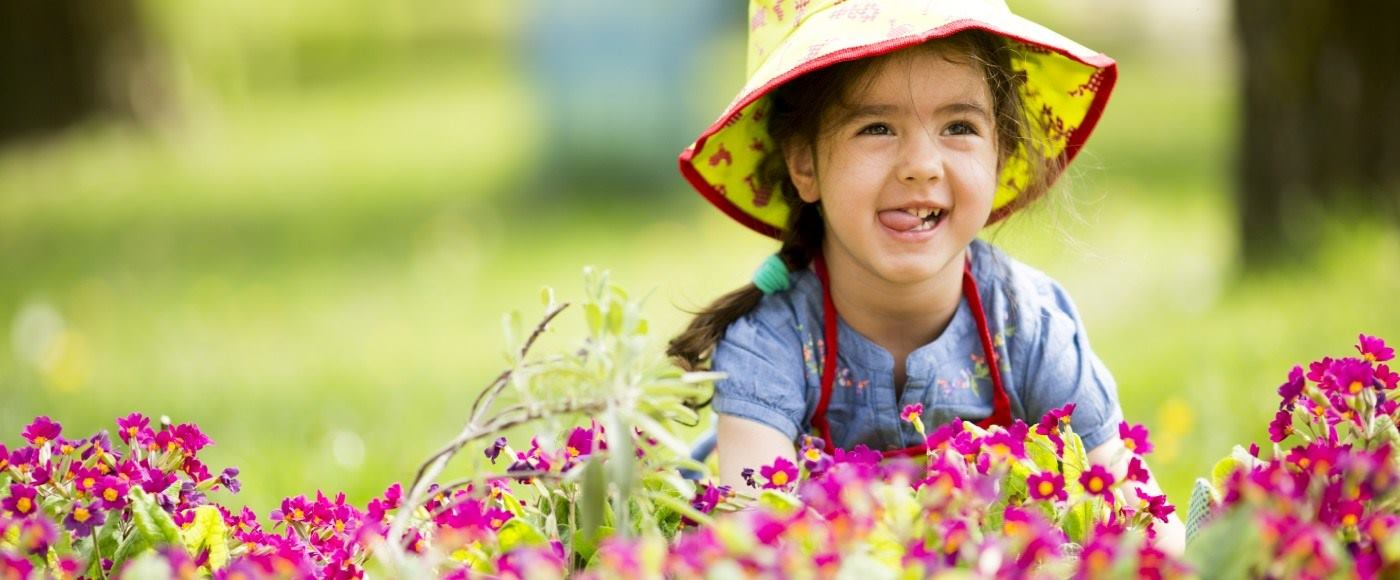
496	523
1098	561
1131	444
339	526
88	482
781	477
110	494
1014	528
40	441
1355	387
298	515
1096	484
81	515
813	454
1349	520
1370	357
1046	488
66	449
573	452
1304	462
131	431
24	505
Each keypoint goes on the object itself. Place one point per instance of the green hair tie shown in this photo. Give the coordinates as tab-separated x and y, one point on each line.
772	275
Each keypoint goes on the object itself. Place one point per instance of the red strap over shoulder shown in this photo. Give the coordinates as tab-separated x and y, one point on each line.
1001	403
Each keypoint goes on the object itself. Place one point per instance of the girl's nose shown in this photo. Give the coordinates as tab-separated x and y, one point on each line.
920	160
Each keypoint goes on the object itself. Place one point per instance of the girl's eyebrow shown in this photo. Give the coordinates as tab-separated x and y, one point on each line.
883	110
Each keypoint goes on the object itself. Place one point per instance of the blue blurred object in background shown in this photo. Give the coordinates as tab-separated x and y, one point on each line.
615	79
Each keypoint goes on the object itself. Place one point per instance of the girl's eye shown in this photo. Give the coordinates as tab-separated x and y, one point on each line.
876	129
961	128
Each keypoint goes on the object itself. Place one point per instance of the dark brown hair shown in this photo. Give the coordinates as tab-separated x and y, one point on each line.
797	111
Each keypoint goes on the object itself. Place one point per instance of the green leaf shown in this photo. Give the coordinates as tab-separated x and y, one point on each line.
1079	520
594	316
517	532
1042	452
152	521
134	545
208	531
1228	547
779	502
547	297
592	497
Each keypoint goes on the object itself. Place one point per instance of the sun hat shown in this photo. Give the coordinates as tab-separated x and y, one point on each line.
1066	87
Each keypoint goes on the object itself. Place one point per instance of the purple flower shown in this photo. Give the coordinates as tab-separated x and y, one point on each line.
747	474
494	450
1047	485
780	474
1388	378
14	566
1135	438
1374	349
111	491
83	519
1097	481
22	500
229	479
36	534
134	429
191	438
1156	505
41	431
706	500
1282	425
1293	388
1350	375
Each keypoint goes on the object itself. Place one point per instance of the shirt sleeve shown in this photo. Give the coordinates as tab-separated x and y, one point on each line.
765	380
1063	369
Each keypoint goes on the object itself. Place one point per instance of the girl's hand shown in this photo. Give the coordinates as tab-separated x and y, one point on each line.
1171	536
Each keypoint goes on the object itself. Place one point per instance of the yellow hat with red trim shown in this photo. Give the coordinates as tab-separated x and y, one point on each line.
1064	91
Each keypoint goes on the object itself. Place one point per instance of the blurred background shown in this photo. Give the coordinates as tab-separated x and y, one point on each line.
299	224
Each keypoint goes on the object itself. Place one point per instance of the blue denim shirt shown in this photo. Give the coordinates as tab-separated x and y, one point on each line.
773	359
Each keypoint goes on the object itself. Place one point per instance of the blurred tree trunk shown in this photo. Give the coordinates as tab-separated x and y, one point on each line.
1321	118
62	61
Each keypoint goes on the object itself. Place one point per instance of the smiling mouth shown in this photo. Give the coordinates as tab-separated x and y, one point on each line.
930	220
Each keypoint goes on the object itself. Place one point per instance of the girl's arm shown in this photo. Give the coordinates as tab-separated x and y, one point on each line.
1171	536
744	443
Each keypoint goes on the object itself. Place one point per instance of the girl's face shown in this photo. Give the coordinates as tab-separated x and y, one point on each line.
919	136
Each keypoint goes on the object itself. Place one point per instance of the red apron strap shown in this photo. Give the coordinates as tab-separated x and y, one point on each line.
1001	403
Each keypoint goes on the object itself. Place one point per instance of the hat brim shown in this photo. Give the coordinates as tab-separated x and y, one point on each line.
1099	74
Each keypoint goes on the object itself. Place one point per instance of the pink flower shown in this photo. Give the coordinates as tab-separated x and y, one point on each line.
912	413
22	500
780	474
1387	377
1282	425
1374	349
83	519
1135	438
1047	485
1156	505
41	431
1293	388
1136	471
1349	376
1097	481
111	492
134	429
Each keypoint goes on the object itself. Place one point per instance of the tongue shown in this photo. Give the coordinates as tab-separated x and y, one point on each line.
899	221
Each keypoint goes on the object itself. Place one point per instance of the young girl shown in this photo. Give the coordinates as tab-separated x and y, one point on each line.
875	140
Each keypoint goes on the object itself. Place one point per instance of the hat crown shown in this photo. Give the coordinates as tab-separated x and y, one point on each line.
772	21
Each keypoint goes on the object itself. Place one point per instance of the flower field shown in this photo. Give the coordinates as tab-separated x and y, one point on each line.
601	495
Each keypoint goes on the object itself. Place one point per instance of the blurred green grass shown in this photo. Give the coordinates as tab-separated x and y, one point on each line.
316	277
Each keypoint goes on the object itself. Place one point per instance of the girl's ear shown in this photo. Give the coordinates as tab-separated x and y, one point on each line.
802	168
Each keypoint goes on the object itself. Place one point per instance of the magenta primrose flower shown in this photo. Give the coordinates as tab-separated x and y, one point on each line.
41	431
111	491
1135	438
134	429
1282	425
22	500
780	474
913	413
1047	485
1388	378
1292	389
1097	481
83	519
1373	349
